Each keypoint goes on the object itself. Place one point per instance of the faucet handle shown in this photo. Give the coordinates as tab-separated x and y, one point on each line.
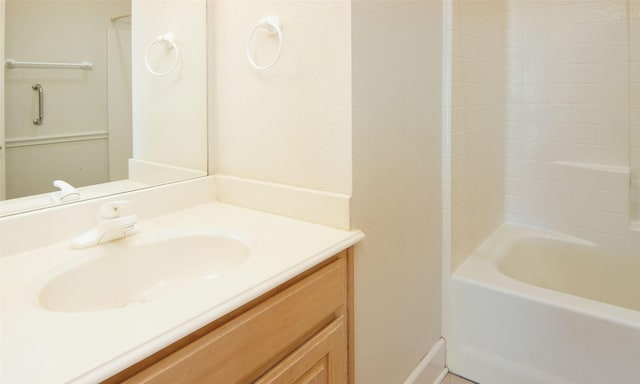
111	210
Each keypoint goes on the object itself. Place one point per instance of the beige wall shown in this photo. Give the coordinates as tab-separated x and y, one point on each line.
170	112
58	31
634	94
396	185
74	100
292	125
289	124
473	150
2	151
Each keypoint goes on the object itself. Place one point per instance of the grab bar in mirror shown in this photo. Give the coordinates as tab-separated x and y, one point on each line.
11	63
116	18
38	87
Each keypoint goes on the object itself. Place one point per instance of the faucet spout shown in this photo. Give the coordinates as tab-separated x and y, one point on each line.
67	192
110	227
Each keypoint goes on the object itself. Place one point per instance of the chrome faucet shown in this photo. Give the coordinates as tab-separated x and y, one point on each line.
111	226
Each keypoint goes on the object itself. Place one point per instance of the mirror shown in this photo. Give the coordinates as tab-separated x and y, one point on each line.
108	123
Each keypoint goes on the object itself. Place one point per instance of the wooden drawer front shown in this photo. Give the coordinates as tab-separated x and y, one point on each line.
243	349
321	360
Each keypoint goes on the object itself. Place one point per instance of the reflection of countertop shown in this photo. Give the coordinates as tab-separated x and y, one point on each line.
40	346
44	200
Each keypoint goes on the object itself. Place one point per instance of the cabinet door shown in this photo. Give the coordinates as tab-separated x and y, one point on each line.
249	345
321	360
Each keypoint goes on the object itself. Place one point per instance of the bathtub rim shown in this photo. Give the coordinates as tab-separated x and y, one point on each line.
481	269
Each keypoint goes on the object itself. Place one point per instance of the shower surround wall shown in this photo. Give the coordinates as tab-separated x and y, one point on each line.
570	131
569	157
473	153
542	127
474	94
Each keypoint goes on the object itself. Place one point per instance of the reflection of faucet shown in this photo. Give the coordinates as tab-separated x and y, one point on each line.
67	192
110	226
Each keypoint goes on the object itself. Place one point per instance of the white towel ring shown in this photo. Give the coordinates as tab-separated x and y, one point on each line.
167	40
272	25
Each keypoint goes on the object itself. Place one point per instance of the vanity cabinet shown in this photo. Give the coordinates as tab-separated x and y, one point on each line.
320	360
298	332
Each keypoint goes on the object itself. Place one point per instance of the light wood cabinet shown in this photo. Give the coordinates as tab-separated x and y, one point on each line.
321	360
297	333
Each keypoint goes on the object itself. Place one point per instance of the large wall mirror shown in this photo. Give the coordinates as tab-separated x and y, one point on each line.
83	108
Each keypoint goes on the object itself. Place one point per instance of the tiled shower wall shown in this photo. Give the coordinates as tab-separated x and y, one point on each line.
474	132
570	109
558	83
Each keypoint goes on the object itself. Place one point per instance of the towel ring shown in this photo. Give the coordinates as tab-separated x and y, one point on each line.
167	40
272	25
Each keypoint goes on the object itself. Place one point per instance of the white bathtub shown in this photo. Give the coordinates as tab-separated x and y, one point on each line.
539	307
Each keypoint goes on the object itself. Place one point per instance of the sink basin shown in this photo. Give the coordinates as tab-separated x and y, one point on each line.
139	269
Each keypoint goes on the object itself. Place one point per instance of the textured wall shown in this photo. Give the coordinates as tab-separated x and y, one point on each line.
2	152
396	184
634	101
170	112
290	124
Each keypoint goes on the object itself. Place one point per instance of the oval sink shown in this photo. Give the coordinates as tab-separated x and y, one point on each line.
139	269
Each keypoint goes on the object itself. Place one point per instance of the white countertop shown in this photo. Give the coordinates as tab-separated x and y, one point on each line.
42	346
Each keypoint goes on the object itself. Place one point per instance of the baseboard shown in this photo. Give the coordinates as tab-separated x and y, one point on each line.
442	376
431	369
318	207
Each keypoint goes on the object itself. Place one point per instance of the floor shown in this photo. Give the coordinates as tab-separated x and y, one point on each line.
453	379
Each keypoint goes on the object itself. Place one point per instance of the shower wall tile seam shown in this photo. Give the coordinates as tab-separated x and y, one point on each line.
477	113
449	10
574	75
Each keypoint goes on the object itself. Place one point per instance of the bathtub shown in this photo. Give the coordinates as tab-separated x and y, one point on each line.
532	306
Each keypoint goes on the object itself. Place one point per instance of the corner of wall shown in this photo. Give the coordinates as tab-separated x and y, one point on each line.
2	151
431	369
397	156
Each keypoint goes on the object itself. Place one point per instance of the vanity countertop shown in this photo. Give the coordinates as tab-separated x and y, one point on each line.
43	346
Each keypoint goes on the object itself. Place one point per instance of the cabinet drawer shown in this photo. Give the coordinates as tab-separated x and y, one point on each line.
321	360
244	348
